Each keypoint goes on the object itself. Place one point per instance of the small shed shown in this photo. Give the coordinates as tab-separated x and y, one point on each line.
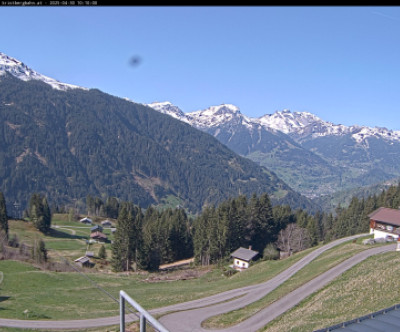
86	220
106	223
89	254
83	261
242	258
96	228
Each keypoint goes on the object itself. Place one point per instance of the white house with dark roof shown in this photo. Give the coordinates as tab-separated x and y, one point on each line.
242	258
385	223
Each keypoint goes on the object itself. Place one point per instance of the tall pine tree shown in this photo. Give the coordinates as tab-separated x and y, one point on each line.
3	216
39	212
123	244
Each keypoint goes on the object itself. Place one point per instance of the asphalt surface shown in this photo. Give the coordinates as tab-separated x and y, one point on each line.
188	316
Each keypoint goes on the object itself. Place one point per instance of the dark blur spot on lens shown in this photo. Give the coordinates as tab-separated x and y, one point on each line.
135	61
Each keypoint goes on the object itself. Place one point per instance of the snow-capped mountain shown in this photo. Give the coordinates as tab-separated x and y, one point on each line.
312	155
23	72
301	126
215	116
306	126
170	109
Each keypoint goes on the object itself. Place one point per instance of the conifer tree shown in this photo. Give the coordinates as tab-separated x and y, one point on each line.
102	252
39	212
179	238
3	216
122	246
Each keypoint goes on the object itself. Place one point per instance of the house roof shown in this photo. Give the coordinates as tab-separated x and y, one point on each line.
386	215
98	235
244	254
82	259
383	320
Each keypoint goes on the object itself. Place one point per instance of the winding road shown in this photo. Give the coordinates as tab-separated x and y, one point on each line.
188	316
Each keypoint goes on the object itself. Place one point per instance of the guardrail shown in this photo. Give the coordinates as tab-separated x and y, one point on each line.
144	316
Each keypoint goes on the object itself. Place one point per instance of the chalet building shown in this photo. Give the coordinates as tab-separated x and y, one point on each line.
385	223
99	236
242	258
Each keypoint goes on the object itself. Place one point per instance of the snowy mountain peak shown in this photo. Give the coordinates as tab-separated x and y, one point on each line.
218	115
168	108
289	122
23	72
299	125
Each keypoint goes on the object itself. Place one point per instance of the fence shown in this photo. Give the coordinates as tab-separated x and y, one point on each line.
144	316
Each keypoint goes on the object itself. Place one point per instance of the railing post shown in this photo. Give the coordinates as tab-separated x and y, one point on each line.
142	323
144	316
121	313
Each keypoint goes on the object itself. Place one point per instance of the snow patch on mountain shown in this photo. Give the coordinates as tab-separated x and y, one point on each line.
299	125
170	109
288	122
23	72
215	116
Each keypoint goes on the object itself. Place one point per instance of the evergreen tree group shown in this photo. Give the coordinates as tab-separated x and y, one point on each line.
234	223
147	239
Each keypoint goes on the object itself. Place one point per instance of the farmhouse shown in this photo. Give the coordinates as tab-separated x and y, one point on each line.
242	258
99	236
385	223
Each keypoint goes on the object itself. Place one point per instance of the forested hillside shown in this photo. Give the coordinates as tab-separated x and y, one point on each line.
70	144
162	237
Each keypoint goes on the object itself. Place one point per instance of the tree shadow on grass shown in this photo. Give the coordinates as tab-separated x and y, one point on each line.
64	235
4	298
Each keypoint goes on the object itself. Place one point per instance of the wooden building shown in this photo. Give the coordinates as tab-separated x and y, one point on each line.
99	236
385	223
83	261
96	228
86	220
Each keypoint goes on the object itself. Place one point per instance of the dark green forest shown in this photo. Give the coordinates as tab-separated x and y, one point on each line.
70	144
156	237
146	238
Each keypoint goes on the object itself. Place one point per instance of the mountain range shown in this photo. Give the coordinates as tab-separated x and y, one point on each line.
69	142
313	156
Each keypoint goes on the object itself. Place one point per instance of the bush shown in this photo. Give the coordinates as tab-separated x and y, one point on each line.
270	252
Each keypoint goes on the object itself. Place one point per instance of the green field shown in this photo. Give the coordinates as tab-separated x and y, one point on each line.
28	292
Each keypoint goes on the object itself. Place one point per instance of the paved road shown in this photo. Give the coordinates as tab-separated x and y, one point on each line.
194	312
191	319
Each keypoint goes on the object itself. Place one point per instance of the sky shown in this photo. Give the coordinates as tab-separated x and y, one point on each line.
339	63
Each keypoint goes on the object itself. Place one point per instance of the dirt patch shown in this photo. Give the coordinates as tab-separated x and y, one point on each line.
174	275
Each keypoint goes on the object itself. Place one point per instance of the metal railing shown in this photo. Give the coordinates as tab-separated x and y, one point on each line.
144	316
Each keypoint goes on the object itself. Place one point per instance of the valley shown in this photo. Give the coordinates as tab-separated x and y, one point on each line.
315	157
178	186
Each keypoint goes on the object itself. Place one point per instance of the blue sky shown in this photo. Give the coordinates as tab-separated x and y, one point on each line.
340	63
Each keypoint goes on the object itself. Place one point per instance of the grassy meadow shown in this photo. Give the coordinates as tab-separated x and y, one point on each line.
29	292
